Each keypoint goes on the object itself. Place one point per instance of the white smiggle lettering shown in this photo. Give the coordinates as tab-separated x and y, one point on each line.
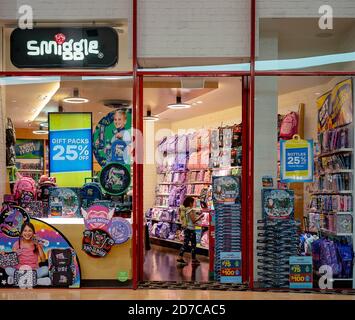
68	50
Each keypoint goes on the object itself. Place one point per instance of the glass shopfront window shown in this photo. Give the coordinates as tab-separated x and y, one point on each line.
67	181
303	221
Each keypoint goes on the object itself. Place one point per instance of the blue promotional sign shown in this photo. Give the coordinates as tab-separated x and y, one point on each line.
301	272
231	267
296	160
70	148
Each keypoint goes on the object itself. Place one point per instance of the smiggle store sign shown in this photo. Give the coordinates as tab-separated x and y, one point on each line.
64	48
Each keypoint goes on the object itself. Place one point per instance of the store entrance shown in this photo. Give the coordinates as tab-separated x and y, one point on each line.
192	136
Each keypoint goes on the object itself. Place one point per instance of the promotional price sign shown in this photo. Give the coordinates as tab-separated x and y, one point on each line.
70	148
301	272
296	160
231	267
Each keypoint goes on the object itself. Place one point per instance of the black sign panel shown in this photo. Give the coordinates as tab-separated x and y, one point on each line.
81	48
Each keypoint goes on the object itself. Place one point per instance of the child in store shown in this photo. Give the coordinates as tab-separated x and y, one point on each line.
189	221
29	251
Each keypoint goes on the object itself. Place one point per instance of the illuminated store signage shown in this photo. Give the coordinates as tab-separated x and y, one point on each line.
64	48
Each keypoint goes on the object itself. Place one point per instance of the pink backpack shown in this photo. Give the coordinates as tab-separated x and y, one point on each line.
25	190
289	126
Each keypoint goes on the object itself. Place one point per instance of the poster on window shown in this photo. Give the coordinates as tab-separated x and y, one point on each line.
335	108
70	148
296	160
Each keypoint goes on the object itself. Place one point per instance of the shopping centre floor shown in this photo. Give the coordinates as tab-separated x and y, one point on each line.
143	294
160	265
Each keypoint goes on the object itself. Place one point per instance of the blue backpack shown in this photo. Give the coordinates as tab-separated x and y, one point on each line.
90	192
346	254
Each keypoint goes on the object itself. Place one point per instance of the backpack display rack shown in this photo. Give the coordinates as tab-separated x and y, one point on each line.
277	241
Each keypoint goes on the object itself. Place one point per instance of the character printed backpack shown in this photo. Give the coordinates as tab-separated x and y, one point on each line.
44	185
289	126
61	267
90	192
25	190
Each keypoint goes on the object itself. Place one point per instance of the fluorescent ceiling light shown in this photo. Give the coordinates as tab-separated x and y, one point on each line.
179	104
76	98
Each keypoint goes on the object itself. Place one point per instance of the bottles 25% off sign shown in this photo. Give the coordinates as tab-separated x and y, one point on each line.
296	160
70	148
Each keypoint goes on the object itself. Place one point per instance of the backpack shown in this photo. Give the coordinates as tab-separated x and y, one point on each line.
10	133
172	143
89	193
183	216
25	190
289	126
61	267
329	256
346	255
10	156
164	230
182	144
44	184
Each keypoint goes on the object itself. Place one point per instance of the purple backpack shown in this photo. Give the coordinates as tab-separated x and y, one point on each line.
328	256
157	229
164	230
171	144
181	160
182	144
162	145
171	200
165	216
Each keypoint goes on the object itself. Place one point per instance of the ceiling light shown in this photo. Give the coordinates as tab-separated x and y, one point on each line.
149	117
199	102
44	124
76	98
41	130
179	104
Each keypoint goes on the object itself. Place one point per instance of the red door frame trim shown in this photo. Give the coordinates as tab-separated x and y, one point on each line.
245	101
250	126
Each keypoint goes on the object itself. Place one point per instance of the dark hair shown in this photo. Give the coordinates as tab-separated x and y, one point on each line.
31	226
188	201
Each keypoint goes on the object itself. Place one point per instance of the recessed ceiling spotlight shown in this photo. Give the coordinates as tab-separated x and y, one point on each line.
199	102
179	104
76	98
